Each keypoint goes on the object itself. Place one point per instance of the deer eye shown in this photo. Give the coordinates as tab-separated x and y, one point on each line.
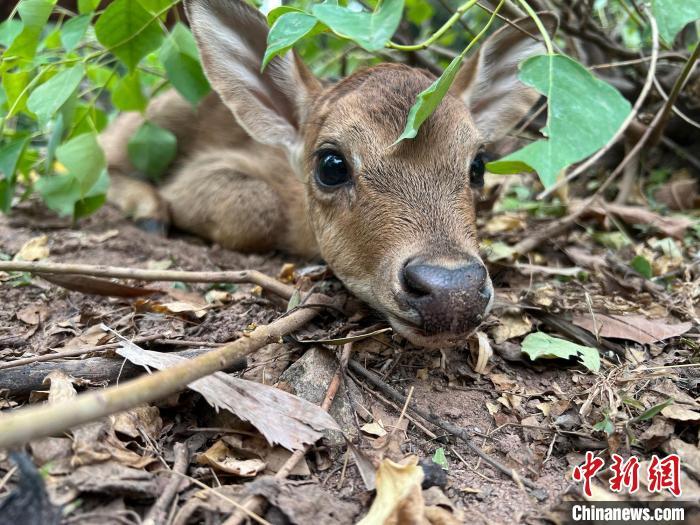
476	171
332	169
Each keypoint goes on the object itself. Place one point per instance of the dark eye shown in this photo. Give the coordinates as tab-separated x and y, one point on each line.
332	169
476	171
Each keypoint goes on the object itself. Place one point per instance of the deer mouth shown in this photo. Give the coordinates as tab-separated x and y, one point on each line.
418	336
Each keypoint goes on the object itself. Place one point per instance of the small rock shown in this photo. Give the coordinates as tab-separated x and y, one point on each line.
309	378
433	474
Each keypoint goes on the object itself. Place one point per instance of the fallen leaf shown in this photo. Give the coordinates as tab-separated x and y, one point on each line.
679	195
510	326
281	417
179	307
399	498
138	421
61	388
631	327
95	285
113	479
505	222
33	250
93	336
220	456
374	429
680	413
671	226
541	345
33	314
481	351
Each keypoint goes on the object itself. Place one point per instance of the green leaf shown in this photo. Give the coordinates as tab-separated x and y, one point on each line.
84	159
14	85
94	198
643	266
180	59
428	100
48	98
584	113
127	94
129	31
541	345
277	12
440	459
287	30
74	30
9	30
87	6
653	411
371	31
59	192
34	15
10	154
152	149
606	425
674	15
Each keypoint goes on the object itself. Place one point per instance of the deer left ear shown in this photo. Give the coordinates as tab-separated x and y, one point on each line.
488	81
270	105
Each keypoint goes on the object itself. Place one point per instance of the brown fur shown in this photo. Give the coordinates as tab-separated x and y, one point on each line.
247	182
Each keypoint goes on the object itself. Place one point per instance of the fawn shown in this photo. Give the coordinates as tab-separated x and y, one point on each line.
281	160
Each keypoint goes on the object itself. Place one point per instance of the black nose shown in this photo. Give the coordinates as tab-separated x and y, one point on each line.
448	300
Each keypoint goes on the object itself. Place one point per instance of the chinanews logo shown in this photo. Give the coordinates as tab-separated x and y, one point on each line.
663	476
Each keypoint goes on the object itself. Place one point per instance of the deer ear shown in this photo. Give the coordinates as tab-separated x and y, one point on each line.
232	37
488	81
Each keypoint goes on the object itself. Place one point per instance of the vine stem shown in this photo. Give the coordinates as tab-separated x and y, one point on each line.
438	34
540	26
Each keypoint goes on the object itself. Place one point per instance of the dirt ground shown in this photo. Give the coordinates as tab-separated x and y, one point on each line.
538	418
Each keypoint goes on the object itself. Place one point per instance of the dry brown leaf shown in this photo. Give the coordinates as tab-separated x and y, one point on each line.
61	388
34	249
33	314
680	413
221	457
399	498
505	222
374	429
689	454
632	327
281	417
671	226
138	421
511	326
681	194
96	442
93	336
96	286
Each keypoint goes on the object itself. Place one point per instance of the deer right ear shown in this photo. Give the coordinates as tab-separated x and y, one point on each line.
232	37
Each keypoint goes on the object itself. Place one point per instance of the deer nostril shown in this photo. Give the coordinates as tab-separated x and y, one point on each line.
415	279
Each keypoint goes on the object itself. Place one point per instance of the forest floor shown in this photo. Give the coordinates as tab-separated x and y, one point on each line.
625	281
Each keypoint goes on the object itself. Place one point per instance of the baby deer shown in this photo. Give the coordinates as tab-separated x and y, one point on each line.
280	160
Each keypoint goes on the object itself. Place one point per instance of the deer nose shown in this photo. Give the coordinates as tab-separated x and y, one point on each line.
451	300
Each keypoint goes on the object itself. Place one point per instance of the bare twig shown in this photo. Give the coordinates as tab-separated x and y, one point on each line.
626	123
159	511
242	276
25	424
458	432
659	127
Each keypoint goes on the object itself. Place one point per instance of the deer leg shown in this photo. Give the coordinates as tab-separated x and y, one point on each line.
208	196
137	198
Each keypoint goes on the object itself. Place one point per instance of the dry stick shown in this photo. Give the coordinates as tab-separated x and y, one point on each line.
255	504
675	91
159	511
458	432
626	123
23	425
75	352
242	276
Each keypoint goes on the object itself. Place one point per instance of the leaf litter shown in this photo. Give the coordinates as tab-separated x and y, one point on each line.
535	415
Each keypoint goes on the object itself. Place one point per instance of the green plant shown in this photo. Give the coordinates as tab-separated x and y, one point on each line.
65	75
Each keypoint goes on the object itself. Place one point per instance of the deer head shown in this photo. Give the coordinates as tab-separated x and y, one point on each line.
396	223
